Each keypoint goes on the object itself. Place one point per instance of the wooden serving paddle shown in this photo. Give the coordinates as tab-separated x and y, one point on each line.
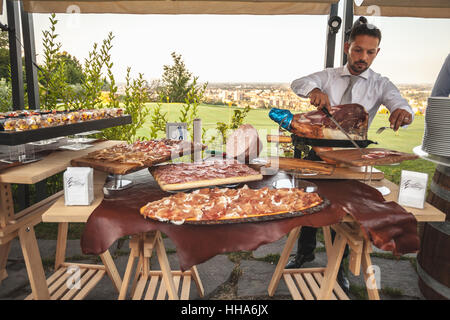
300	165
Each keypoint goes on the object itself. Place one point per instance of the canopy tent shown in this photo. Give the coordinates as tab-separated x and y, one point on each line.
257	7
404	8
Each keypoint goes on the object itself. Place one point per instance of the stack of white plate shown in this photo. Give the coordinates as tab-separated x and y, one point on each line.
436	138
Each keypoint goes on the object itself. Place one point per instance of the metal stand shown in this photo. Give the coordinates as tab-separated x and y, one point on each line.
117	183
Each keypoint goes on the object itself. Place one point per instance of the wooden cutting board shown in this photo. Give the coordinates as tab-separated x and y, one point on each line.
113	167
352	173
202	182
278	138
208	183
116	167
300	165
352	157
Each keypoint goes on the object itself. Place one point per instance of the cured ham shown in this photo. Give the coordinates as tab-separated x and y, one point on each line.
221	204
244	143
353	118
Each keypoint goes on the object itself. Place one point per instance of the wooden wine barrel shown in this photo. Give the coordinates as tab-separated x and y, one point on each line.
433	260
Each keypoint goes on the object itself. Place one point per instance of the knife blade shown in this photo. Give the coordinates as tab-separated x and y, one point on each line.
328	114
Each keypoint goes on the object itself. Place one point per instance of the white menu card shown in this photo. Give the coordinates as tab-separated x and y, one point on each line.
78	186
413	187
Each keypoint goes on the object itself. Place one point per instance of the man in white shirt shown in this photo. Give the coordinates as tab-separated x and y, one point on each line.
326	88
352	83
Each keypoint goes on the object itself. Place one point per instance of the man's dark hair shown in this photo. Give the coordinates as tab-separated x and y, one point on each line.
361	27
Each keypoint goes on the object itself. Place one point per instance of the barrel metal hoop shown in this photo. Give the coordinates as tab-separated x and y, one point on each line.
443	227
440	192
432	283
445	170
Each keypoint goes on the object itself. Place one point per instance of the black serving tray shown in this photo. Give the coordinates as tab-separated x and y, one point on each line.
14	138
262	218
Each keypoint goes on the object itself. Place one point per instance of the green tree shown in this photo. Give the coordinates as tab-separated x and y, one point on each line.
176	81
53	88
73	68
4	56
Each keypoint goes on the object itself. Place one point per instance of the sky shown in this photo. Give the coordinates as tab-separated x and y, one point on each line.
246	48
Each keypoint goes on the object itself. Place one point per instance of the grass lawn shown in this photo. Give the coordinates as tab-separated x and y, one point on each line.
404	140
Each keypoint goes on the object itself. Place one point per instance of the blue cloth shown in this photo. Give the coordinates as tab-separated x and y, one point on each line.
278	115
441	87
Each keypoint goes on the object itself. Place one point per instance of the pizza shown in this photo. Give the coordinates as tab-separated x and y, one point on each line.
224	204
201	174
145	152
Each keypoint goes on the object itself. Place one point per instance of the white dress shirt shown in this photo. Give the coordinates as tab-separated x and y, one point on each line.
370	90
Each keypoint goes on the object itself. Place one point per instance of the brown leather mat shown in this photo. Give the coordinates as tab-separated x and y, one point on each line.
387	223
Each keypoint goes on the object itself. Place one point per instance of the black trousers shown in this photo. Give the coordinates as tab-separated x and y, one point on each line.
307	241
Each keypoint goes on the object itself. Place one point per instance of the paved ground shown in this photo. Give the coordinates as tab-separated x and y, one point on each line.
226	276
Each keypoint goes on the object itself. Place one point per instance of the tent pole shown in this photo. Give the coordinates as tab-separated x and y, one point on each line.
30	58
348	23
331	39
15	54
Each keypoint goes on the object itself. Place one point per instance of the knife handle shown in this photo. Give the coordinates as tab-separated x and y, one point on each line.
327	113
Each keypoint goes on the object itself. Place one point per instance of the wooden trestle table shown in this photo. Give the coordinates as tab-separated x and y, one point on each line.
320	283
51	209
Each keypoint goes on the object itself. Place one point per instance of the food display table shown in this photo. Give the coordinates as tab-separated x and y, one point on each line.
21	224
118	215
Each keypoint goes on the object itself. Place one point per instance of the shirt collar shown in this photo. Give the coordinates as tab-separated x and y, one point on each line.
346	72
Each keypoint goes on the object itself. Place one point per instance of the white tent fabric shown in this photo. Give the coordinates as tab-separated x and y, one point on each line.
256	7
403	8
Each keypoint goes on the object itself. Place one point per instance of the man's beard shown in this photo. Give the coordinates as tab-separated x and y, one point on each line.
359	66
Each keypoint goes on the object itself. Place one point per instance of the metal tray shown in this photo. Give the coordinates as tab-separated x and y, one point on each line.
14	138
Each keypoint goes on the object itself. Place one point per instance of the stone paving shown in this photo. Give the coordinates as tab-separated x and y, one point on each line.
227	277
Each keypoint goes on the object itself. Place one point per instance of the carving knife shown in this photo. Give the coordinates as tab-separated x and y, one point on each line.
328	114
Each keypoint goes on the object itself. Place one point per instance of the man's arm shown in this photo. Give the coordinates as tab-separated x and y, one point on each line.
401	112
311	87
441	87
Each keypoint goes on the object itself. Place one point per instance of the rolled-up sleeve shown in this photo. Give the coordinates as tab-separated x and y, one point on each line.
393	100
304	85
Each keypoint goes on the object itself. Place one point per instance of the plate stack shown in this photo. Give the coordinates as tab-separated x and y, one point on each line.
436	138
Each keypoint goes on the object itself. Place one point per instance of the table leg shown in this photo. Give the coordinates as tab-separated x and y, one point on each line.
198	281
165	268
4	252
337	251
134	254
327	240
111	270
33	263
61	244
369	274
293	235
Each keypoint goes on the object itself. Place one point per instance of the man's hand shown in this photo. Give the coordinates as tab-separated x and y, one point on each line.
319	99
399	118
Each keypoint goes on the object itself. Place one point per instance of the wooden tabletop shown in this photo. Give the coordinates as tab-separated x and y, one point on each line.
59	212
428	214
52	164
